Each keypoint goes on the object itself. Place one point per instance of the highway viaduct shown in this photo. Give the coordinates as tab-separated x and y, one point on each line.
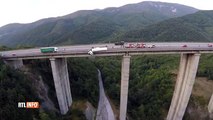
189	61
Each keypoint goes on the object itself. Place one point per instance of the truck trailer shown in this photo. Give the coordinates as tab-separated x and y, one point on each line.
49	49
96	49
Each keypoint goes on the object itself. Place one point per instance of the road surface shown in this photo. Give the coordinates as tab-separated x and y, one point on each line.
82	50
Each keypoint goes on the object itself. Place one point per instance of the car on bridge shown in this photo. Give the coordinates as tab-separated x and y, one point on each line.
119	43
151	46
210	45
13	54
184	45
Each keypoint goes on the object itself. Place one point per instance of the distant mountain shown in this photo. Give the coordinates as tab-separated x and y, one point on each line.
165	9
193	27
89	26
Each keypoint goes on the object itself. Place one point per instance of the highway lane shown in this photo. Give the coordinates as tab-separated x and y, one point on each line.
61	48
83	49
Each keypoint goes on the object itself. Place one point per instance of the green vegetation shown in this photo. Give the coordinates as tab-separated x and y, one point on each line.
75	114
95	28
4	48
43	68
24	47
15	87
82	75
150	86
76	111
195	27
110	68
206	66
83	80
151	83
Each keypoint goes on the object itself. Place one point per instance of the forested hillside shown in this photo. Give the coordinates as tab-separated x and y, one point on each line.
15	87
151	85
90	26
197	27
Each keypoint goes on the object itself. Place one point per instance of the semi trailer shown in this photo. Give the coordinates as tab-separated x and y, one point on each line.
96	49
49	49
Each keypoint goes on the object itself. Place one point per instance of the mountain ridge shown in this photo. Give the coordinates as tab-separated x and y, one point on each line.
94	25
193	27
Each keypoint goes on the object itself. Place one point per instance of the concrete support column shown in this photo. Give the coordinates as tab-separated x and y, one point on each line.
67	82
210	106
124	86
62	85
15	63
184	84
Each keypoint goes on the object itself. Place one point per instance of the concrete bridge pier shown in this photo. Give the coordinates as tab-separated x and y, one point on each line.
210	106
62	85
184	84
16	64
124	86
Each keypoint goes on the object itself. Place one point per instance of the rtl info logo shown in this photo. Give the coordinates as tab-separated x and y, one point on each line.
32	105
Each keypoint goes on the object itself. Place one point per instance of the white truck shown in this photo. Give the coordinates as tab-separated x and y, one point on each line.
96	49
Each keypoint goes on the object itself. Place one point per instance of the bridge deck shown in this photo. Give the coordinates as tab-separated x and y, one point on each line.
82	51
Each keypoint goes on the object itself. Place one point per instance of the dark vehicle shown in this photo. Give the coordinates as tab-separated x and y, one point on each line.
13	54
210	45
184	45
119	43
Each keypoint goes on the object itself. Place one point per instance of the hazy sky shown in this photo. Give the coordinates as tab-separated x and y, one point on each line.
25	11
